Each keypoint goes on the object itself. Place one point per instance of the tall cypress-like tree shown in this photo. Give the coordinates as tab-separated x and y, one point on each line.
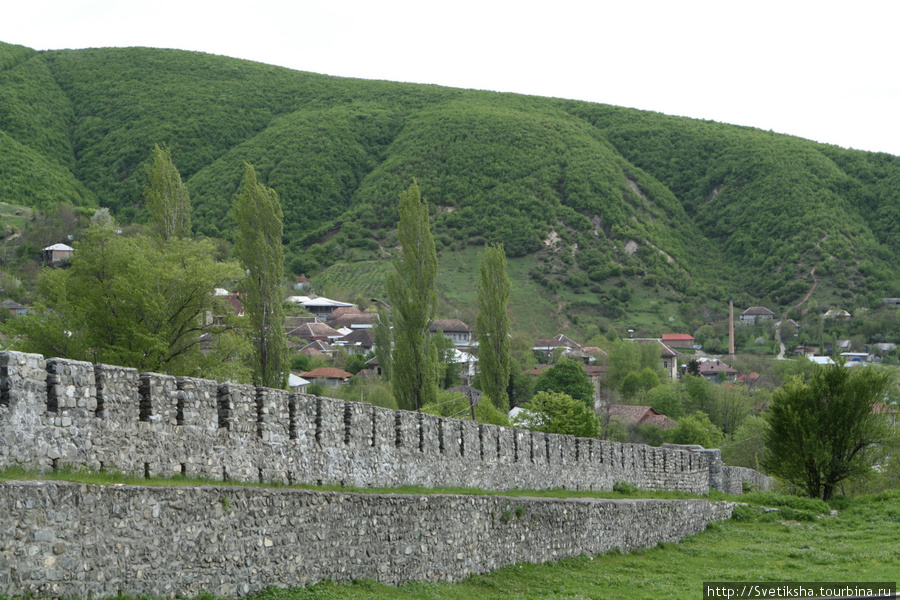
167	197
258	242
383	342
413	294
492	325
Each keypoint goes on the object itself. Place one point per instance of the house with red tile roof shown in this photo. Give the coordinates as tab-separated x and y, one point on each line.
315	331
715	370
640	415
678	340
317	348
327	376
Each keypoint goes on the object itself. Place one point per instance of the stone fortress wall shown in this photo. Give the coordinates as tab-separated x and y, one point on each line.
71	540
56	412
63	539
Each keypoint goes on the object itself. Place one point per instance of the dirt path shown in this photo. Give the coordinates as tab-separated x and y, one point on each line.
811	290
797	306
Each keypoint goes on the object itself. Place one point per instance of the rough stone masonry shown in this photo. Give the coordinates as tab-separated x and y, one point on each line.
56	412
66	539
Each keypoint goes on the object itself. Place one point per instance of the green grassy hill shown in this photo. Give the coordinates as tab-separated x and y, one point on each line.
608	214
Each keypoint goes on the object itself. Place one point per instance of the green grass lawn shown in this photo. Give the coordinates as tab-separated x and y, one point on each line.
14	216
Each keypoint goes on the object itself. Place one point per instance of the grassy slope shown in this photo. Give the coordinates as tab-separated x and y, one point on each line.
705	210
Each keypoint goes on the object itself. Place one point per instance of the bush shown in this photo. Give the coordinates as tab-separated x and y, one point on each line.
774	500
623	487
745	513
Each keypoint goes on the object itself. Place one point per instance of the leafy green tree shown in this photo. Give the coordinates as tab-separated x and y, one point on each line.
695	429
492	325
557	412
370	390
699	394
747	446
567	377
651	360
730	407
630	386
257	241
167	197
382	335
412	292
693	367
448	368
824	429
456	405
624	358
667	400
133	302
355	363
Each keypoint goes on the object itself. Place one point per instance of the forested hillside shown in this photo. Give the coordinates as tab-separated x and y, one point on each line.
599	208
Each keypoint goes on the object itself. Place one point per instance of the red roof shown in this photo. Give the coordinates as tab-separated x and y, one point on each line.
326	373
640	415
677	337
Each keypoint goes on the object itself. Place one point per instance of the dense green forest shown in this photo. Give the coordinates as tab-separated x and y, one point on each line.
608	215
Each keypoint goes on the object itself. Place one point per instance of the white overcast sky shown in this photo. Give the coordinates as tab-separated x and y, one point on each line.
821	70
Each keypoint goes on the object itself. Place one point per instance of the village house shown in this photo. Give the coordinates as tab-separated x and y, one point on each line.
315	331
458	332
327	376
756	315
57	253
319	306
678	340
715	370
856	357
317	348
358	341
806	351
350	321
14	307
667	356
297	384
790	327
547	347
640	415
597	376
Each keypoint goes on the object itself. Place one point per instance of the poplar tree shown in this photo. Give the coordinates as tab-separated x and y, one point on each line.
258	243
382	335
413	296
492	325
167	197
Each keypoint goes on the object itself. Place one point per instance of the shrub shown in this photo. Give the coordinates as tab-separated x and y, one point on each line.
623	487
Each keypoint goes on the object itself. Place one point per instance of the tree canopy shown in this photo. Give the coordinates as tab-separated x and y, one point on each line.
567	377
826	427
688	206
258	243
492	325
413	298
134	302
167	197
556	412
